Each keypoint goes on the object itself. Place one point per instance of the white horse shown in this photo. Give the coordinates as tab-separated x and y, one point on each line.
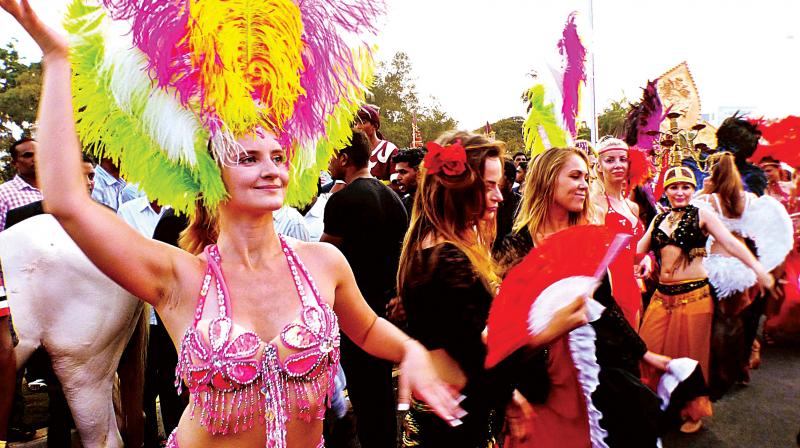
61	301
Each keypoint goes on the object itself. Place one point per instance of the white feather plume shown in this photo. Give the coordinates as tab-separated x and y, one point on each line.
173	127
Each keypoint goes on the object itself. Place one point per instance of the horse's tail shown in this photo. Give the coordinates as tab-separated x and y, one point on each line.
131	372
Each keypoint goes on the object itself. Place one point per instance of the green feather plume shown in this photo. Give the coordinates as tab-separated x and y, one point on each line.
541	130
110	131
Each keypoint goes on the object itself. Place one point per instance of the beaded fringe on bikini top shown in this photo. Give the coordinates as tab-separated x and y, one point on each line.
233	386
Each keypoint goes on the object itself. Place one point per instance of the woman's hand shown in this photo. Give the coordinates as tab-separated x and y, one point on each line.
564	320
644	269
518	412
658	361
418	375
51	43
766	282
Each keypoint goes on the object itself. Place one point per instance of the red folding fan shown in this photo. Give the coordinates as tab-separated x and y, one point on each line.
585	250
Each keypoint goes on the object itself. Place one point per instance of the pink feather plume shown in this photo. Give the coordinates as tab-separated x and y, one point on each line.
331	68
571	47
159	29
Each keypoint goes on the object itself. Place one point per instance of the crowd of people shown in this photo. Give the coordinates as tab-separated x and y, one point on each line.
263	327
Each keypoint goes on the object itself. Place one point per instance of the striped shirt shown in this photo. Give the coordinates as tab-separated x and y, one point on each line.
16	193
289	222
112	191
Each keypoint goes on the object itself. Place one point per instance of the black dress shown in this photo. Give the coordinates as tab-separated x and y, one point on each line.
447	306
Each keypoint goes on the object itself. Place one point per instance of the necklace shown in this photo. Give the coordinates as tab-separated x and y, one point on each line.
675	215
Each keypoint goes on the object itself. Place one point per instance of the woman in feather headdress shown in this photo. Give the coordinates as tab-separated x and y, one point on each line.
764	226
589	395
260	344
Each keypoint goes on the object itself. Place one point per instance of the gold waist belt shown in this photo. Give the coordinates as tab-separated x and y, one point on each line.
670	302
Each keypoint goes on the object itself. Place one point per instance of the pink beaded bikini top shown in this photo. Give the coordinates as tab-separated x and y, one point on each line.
236	379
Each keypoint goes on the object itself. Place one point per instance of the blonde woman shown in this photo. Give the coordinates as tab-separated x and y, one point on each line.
242	336
621	215
620	412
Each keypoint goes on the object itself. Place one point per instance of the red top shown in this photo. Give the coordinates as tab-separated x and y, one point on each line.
624	287
562	421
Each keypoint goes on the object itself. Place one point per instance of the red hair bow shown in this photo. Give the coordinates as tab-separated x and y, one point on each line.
450	159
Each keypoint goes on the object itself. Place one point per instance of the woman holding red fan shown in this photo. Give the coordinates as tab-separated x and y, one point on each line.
589	392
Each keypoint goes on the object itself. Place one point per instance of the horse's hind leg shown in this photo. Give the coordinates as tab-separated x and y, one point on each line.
92	409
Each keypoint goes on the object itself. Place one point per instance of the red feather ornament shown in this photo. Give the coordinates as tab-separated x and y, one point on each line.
639	168
783	137
577	251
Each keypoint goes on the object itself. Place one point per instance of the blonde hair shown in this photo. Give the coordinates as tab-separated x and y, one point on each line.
452	207
608	143
540	187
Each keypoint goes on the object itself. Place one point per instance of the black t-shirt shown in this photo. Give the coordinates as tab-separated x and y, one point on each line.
372	221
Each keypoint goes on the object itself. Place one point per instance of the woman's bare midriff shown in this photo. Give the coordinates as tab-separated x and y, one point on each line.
299	434
673	270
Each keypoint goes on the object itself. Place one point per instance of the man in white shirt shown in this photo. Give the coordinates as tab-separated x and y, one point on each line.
380	160
141	214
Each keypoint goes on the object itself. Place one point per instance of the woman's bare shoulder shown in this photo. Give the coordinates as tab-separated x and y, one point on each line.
321	254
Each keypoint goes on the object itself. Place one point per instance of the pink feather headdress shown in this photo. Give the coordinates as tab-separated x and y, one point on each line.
299	69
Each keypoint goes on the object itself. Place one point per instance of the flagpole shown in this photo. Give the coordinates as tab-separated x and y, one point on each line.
594	87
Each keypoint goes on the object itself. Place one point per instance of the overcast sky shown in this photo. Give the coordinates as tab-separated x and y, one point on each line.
473	55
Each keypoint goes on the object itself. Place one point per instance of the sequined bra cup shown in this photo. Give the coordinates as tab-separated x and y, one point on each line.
234	380
687	235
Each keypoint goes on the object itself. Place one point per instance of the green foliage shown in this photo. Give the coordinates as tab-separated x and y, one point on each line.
20	87
509	130
611	121
395	92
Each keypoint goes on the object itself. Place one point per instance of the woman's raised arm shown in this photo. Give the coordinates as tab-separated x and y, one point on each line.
142	266
735	247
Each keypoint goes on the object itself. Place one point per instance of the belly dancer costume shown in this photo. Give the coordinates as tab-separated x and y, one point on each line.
235	377
678	321
624	286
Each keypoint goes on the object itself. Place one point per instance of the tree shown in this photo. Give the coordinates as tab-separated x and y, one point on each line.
509	130
611	121
20	88
395	92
